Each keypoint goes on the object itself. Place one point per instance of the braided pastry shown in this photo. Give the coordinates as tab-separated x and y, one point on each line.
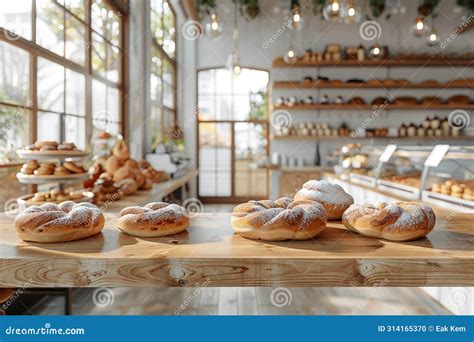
67	221
400	221
332	196
283	219
153	220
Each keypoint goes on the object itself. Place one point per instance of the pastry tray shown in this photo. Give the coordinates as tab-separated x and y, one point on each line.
34	179
399	189
55	154
447	201
362	179
25	200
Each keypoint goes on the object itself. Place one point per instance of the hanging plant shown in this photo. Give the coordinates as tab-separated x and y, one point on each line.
318	6
205	7
377	7
427	8
248	8
467	4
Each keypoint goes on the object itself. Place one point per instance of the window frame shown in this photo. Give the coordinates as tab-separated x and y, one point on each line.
37	51
172	60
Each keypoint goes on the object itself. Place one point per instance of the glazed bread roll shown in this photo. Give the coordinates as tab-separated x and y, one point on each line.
333	197
67	221
400	221
283	219
154	220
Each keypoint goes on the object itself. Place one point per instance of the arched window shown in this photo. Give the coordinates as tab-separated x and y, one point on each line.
232	134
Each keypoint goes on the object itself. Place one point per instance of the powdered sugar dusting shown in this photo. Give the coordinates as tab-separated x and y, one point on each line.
324	192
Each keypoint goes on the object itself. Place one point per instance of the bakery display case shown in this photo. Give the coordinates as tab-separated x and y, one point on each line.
449	178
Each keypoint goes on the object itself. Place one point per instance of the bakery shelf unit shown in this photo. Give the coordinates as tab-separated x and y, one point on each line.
55	157
442	175
364	96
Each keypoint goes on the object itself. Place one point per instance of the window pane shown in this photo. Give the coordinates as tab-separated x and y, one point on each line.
113	104
49	126
14	127
155	126
113	63
15	16
75	37
168	30
167	72
50	26
206	82
98	54
77	7
206	108
168	96
168	122
14	74
75	130
155	88
50	85
75	93
99	105
105	21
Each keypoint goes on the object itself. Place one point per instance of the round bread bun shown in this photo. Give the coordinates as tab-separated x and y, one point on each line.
67	221
332	196
121	151
283	219
128	186
400	221
112	164
147	185
122	173
154	220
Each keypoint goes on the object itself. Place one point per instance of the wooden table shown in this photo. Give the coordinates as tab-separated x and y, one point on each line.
210	254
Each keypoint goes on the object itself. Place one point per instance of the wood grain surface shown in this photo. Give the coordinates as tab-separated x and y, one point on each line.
209	252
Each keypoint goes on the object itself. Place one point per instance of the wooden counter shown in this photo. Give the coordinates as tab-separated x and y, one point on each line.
210	253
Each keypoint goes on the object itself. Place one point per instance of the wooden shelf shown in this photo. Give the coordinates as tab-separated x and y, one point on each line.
280	63
345	138
372	107
366	85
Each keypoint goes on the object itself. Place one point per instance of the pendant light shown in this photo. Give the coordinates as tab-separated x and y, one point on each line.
233	63
214	26
296	17
353	13
433	38
333	11
290	56
420	28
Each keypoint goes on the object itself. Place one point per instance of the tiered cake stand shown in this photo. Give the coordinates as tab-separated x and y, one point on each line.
57	157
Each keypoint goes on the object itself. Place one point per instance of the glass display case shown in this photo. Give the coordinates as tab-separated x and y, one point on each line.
449	180
442	175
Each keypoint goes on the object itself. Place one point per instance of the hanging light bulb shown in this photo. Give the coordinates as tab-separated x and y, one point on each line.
296	17
290	56
353	13
214	26
233	63
376	52
420	28
333	11
433	38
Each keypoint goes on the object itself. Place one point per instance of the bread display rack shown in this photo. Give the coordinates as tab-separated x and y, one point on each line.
423	173
56	157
